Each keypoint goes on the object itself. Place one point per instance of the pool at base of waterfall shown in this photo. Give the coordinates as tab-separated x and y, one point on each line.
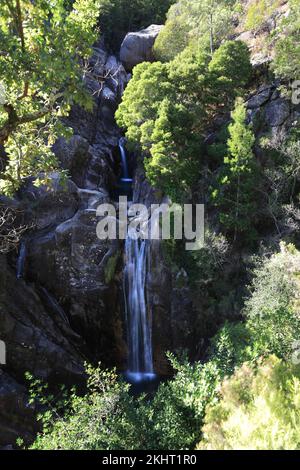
143	382
138	377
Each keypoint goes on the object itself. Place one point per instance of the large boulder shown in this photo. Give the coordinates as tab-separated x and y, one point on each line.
138	47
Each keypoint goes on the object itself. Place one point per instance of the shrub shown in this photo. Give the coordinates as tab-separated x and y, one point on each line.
287	49
272	311
258	410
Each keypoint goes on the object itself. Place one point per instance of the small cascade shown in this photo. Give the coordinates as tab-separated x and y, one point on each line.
54	305
139	334
125	176
21	260
125	182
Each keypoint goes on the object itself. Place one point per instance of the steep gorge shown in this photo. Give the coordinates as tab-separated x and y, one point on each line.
66	305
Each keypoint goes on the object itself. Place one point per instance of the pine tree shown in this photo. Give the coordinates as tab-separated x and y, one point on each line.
236	194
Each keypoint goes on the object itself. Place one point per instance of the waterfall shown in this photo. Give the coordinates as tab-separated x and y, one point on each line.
125	176
21	260
139	334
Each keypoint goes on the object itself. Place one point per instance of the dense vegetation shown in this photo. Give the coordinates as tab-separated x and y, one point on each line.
167	108
256	408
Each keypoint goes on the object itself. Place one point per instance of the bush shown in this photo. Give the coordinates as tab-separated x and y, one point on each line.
272	310
259	11
107	417
287	50
259	410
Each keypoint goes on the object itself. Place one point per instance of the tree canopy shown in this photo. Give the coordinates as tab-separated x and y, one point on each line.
167	107
43	49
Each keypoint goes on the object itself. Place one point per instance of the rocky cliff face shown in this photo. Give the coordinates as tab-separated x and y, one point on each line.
65	309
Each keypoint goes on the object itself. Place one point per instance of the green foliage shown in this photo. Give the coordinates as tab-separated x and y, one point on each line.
109	417
200	265
259	11
231	62
231	347
239	176
88	421
202	24
287	50
110	268
167	107
272	310
42	49
179	405
259	410
118	17
272	323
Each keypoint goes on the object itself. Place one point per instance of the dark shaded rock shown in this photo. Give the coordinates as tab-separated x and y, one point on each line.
277	112
182	318
74	156
159	295
260	98
37	340
48	206
17	416
73	264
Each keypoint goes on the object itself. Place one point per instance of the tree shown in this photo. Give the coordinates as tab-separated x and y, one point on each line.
272	308
239	177
172	160
43	49
287	49
167	108
204	24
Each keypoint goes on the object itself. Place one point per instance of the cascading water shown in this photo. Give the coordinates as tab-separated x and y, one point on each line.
139	337
139	334
125	181
125	171
21	260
